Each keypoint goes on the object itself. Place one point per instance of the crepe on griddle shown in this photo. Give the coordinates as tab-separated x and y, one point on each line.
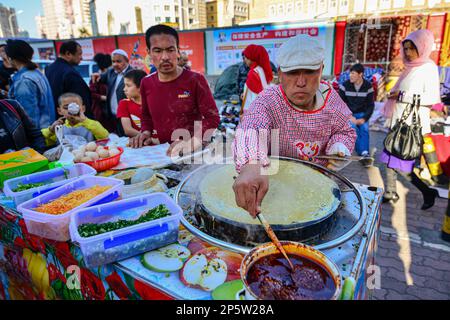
297	194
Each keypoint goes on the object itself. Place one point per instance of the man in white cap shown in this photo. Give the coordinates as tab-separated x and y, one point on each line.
113	78
309	115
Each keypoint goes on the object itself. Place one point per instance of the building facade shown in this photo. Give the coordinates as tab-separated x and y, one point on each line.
64	19
192	14
225	13
288	10
112	19
8	22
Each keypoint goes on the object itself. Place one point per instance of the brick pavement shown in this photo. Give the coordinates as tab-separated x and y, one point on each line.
414	261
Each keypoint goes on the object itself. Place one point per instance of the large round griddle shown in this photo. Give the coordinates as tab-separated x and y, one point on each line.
340	223
299	205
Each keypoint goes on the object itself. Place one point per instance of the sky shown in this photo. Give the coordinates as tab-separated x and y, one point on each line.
26	20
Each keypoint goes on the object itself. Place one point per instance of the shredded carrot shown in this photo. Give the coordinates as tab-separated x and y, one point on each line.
72	200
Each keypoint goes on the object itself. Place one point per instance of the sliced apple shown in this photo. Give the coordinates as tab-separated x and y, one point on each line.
204	271
233	260
166	259
214	274
191	273
228	290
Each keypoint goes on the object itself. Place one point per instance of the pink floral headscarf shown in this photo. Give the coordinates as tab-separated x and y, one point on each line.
423	40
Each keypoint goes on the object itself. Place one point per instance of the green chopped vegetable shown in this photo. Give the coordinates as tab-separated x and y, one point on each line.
23	187
92	229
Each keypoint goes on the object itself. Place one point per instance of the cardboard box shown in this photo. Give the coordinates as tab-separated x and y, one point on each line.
20	163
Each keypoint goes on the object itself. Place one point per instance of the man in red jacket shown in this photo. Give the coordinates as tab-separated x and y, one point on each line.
174	100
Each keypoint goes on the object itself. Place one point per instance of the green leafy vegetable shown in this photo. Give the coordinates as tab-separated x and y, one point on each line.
23	187
92	229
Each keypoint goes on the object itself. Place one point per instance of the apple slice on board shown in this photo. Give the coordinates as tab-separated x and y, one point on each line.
209	268
166	259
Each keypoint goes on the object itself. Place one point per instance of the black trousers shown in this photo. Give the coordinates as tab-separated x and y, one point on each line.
391	175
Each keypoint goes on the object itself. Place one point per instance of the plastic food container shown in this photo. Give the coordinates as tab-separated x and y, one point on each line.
56	227
106	163
130	241
53	179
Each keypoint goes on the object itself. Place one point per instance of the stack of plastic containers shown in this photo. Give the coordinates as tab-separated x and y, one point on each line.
56	227
52	178
129	241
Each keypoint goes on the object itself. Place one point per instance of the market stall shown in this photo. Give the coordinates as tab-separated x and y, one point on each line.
157	257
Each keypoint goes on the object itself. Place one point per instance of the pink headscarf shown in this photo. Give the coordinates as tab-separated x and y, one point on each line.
423	40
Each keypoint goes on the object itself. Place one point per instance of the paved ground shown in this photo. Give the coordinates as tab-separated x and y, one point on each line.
414	261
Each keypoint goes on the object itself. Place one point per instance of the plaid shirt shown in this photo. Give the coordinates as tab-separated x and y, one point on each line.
302	134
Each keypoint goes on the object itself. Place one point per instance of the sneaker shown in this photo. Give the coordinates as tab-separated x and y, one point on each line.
429	199
367	161
390	196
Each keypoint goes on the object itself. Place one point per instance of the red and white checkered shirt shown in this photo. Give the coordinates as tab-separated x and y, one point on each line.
302	134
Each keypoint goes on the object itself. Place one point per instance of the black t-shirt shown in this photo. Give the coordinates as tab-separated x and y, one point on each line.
6	141
5	75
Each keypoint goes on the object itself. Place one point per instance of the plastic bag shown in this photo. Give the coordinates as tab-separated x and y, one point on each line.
116	141
62	152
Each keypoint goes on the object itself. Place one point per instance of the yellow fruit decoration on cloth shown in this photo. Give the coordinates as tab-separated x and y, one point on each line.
26	254
37	268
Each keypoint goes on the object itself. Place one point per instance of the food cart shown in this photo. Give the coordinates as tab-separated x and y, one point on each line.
32	267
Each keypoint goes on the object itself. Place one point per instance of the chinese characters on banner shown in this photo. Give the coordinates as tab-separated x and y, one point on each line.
228	44
274	34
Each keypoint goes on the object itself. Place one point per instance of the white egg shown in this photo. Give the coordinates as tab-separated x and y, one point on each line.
86	159
78	158
82	149
78	154
103	153
91	146
93	155
99	148
113	152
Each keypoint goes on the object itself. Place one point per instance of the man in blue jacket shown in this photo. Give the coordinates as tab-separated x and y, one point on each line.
358	94
63	77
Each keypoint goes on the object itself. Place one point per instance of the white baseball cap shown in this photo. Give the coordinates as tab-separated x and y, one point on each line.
120	52
301	52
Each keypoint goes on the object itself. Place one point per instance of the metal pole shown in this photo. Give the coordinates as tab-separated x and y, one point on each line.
13	34
180	13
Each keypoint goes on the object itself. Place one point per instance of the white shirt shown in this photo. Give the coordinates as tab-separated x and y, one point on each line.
249	95
114	102
423	80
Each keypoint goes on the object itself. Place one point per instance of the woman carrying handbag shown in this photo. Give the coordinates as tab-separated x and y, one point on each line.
409	104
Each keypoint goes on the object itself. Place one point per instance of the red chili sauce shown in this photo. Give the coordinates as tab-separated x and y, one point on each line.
270	278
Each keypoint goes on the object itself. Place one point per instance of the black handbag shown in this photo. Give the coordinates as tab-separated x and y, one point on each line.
405	141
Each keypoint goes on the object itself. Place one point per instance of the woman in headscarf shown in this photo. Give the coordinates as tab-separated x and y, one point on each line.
419	78
259	76
29	86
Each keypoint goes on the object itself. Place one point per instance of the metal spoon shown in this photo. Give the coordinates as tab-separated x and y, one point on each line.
274	238
347	158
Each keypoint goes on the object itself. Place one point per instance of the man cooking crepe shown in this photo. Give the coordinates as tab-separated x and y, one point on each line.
309	115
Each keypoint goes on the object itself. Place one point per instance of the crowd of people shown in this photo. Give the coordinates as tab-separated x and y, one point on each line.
147	108
164	106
